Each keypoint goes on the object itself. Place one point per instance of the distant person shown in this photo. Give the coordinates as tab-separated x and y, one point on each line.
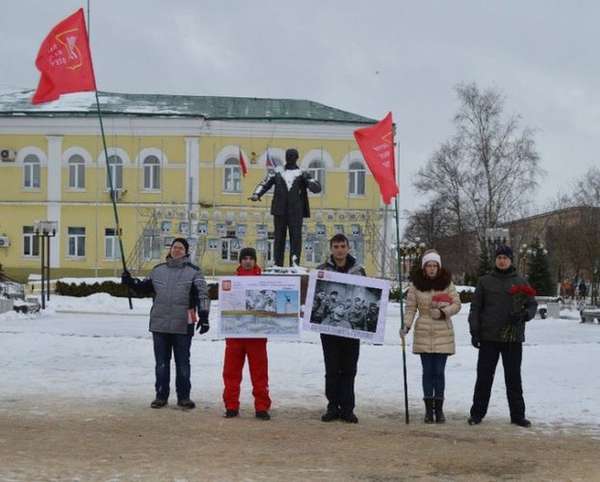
582	289
498	329
255	349
176	285
433	336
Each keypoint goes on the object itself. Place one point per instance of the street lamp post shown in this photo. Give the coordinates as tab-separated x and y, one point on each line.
527	251
44	230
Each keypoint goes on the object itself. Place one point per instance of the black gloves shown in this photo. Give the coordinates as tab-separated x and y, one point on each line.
127	279
475	342
202	326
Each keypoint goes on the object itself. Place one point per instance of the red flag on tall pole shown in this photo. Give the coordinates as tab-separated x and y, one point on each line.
65	61
243	163
377	146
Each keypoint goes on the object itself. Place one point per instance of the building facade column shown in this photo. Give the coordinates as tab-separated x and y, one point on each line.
192	170
54	189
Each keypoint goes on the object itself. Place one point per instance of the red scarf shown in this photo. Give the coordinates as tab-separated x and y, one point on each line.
256	271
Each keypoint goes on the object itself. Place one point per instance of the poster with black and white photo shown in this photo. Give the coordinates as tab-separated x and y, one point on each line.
259	306
346	305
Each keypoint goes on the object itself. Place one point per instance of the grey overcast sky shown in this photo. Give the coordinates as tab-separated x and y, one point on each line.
366	57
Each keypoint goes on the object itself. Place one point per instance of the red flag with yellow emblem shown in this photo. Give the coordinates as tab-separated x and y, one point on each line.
65	61
377	146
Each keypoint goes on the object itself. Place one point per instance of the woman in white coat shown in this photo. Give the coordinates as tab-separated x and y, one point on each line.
433	296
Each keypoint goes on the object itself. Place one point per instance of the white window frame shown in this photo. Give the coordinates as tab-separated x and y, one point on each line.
152	248
232	176
76	241
116	169
317	169
232	255
32	172
152	173
76	172
356	174
112	249
32	241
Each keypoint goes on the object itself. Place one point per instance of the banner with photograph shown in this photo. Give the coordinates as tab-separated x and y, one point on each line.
346	305
259	306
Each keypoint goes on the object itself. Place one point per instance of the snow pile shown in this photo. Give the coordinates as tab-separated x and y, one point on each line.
99	303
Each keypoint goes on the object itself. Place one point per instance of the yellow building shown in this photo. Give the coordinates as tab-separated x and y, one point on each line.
175	164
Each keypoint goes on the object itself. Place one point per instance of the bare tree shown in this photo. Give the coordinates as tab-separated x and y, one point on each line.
587	189
488	170
428	224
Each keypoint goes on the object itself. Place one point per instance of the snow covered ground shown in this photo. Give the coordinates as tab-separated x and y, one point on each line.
67	353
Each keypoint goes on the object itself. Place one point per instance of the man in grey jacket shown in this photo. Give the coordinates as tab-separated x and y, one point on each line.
497	326
178	288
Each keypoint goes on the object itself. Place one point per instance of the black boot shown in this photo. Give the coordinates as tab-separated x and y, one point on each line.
158	403
429	403
439	411
186	403
330	415
521	422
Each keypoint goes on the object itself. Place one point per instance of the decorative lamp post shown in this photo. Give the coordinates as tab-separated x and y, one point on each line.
409	252
44	230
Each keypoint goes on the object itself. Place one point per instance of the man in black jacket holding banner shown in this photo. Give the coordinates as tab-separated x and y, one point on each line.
340	353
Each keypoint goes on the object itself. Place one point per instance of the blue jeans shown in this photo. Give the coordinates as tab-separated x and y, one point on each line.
180	345
434	380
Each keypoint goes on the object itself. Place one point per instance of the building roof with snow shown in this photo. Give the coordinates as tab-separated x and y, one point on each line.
18	104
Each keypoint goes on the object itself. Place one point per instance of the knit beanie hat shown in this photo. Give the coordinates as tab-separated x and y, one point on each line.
431	255
504	250
251	252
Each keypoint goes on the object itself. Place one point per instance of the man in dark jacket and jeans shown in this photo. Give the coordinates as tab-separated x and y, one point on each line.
340	353
498	329
176	286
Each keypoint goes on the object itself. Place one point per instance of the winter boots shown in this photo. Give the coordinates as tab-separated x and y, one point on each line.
349	417
330	415
186	403
439	410
158	403
429	404
521	422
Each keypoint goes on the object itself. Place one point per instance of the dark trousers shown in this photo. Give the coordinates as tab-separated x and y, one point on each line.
434	378
164	344
282	224
489	352
341	358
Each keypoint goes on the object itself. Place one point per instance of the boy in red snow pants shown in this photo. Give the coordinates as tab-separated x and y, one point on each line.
236	350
